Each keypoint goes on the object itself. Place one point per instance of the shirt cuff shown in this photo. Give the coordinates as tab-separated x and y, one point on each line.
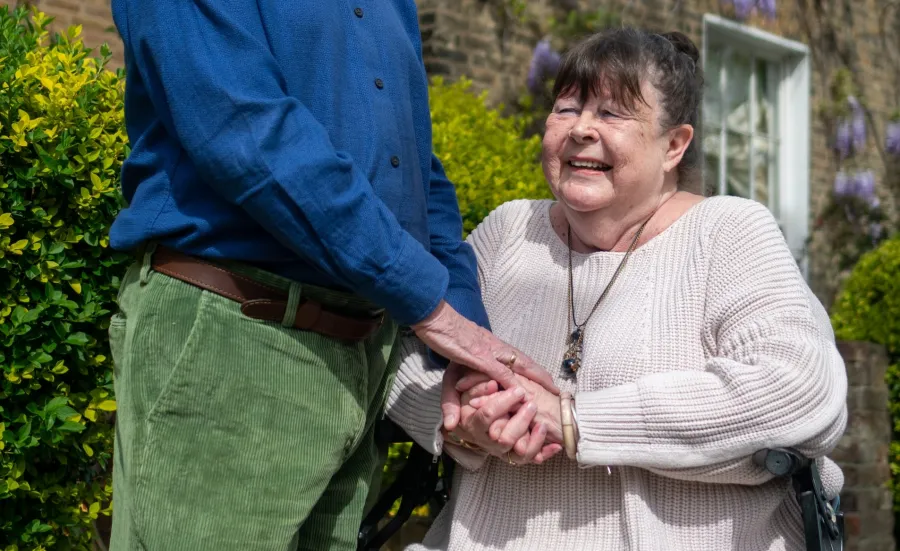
414	285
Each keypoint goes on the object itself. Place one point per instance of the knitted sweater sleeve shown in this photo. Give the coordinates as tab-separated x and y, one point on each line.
774	377
414	401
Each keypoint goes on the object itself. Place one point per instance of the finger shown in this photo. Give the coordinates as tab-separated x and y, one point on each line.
547	452
471	379
535	443
497	405
521	446
450	405
518	426
529	369
481	389
497	428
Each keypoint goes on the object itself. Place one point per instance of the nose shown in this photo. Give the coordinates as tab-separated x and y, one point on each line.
584	130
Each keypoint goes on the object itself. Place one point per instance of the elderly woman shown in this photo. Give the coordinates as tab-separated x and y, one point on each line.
681	325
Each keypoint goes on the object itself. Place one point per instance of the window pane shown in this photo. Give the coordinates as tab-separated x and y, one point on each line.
765	95
738	92
711	142
737	180
762	184
712	100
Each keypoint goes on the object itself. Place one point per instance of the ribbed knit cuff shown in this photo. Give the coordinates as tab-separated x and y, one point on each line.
611	426
414	401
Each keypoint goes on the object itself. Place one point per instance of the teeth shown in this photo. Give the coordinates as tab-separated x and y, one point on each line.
588	164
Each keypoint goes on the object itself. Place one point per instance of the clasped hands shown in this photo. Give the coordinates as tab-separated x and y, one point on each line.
502	401
520	424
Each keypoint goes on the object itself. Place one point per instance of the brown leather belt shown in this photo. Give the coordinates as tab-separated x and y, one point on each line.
260	301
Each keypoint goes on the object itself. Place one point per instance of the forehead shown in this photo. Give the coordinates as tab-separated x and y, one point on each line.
643	98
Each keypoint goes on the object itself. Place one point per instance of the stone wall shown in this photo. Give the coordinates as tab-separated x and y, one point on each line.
863	451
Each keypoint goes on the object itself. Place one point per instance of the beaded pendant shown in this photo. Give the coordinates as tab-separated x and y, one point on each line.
572	358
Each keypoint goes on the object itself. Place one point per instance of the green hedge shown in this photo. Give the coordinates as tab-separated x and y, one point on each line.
62	142
868	309
483	151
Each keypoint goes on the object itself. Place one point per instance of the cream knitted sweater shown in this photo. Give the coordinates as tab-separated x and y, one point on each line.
709	347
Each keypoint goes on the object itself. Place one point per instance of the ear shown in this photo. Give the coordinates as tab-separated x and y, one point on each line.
679	139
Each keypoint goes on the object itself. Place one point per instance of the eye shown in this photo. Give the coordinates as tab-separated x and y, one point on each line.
608	113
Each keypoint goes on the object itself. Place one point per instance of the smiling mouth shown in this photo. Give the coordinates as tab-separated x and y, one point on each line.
590	165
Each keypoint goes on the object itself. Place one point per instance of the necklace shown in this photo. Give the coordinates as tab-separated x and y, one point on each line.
575	344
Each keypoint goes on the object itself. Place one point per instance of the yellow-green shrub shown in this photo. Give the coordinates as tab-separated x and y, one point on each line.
484	153
62	142
868	309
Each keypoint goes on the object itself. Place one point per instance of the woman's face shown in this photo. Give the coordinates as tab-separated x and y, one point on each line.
596	154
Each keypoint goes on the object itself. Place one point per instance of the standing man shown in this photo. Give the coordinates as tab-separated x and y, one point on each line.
288	214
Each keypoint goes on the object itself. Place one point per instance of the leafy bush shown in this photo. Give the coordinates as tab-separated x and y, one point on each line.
62	142
484	153
868	309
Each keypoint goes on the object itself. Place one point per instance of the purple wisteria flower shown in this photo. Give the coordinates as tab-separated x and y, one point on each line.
767	7
742	8
544	63
892	138
843	139
858	131
842	184
864	186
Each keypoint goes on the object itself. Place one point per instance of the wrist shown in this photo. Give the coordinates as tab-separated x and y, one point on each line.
433	318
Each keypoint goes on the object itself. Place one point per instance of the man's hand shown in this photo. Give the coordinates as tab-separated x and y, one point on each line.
454	337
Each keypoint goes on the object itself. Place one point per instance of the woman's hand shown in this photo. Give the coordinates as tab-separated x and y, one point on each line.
547	404
503	424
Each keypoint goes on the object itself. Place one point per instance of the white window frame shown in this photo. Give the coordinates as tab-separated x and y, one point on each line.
793	121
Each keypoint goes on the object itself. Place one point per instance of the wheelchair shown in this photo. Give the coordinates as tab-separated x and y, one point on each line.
426	479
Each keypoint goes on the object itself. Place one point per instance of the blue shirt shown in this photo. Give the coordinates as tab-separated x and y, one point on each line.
294	135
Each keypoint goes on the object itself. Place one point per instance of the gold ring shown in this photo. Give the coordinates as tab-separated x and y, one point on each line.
460	442
509	459
512	361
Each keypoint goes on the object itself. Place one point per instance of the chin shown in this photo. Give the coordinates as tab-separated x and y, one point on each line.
582	198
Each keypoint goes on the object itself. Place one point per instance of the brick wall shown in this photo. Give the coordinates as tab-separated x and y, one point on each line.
93	15
863	451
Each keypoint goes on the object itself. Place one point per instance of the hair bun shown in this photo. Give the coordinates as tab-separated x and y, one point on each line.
683	44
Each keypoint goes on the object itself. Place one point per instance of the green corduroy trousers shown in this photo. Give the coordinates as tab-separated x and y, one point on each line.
239	434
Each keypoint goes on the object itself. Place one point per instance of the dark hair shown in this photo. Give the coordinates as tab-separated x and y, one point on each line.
615	62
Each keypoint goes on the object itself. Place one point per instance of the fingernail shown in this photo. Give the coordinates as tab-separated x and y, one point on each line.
531	406
450	419
475	402
519	392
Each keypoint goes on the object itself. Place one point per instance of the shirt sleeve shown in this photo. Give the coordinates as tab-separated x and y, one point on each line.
261	149
775	378
447	245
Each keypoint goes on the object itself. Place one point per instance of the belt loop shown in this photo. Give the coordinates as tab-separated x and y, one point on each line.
147	262
290	311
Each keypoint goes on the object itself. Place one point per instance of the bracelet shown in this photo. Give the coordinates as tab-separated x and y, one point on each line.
570	440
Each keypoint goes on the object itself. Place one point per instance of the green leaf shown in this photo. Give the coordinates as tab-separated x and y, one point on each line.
77	339
71	426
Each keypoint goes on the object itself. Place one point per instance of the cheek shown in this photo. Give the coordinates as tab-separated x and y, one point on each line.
551	150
